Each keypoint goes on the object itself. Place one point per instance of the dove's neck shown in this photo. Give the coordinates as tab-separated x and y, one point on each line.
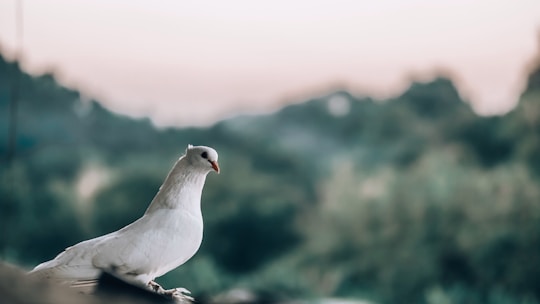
182	189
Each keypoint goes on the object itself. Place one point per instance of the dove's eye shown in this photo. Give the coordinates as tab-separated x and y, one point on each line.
204	155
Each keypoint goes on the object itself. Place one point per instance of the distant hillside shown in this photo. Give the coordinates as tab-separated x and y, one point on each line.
369	131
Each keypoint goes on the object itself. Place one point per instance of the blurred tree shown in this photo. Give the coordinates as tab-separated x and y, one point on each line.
123	201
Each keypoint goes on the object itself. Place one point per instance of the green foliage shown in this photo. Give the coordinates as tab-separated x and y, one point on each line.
122	202
487	141
35	216
268	236
460	226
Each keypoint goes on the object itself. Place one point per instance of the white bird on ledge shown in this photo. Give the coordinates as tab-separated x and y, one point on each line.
168	234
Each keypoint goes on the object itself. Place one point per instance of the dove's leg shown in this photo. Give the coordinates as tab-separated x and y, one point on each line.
154	286
180	293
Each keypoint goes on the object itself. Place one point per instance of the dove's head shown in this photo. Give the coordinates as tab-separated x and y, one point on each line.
204	158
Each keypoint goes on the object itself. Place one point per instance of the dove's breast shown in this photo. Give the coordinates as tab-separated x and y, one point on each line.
175	240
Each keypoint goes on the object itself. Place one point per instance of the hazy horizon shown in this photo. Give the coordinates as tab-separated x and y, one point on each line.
195	63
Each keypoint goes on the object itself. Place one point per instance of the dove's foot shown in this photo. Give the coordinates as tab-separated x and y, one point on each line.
180	295
155	286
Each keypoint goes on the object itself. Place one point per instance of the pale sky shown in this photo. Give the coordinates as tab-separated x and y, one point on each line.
195	62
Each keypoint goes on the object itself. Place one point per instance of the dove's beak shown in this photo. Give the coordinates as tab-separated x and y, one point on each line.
214	165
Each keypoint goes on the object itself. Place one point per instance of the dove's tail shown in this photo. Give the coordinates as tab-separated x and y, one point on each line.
72	266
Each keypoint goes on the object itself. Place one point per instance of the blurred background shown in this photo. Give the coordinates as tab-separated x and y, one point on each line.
386	152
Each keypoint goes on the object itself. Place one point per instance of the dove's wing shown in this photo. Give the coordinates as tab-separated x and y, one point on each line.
134	251
128	251
152	245
118	251
74	264
80	265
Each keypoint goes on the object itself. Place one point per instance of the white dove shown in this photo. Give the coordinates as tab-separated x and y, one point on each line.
165	237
